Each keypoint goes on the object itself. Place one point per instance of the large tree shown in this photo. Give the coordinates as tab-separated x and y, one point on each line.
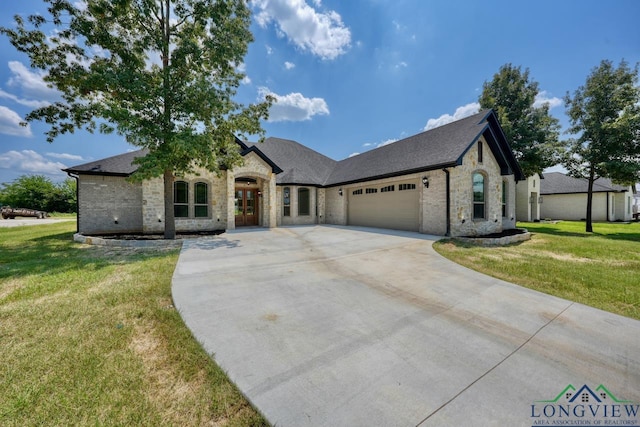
530	129
604	114
40	193
163	73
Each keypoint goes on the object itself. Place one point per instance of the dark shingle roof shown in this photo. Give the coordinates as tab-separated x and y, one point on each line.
300	164
559	183
439	147
120	165
294	163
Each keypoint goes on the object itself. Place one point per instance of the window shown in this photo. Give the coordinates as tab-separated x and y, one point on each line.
479	151
388	188
286	201
478	196
371	190
356	192
201	208
303	201
402	187
504	199
180	199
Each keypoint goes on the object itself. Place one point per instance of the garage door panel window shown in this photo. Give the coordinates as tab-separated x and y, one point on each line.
479	196
181	199
304	202
403	187
357	192
371	190
388	188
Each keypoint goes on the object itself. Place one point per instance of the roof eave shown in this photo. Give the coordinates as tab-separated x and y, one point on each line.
394	174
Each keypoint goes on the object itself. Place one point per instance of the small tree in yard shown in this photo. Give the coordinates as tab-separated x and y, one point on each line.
531	131
160	72
605	116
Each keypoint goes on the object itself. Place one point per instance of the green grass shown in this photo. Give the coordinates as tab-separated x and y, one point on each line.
62	215
600	269
89	336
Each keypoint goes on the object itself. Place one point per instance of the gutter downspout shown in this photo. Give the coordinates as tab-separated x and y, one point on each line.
77	200
448	188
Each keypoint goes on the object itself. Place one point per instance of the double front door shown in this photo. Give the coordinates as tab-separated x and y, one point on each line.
246	206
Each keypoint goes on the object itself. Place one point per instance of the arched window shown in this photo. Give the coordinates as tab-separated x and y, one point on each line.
303	201
286	201
478	196
181	199
201	200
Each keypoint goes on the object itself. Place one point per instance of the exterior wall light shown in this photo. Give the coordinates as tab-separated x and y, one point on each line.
340	191
425	181
115	219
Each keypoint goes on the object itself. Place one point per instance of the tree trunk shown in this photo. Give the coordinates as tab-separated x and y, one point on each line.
169	217
589	225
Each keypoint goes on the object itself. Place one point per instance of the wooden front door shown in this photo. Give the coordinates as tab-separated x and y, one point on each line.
246	206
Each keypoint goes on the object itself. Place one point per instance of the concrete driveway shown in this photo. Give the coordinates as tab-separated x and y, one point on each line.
336	326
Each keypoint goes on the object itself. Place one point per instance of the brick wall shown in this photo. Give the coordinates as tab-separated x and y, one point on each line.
99	210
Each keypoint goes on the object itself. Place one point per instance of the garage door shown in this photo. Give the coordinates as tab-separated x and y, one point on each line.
392	206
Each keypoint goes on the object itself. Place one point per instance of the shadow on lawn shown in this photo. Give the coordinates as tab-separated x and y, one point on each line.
58	253
632	237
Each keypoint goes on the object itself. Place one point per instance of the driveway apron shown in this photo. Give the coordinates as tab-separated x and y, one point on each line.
337	326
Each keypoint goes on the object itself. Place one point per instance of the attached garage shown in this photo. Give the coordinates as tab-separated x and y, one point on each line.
394	206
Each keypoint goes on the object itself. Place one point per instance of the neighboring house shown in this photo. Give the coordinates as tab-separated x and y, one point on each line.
458	179
564	197
528	199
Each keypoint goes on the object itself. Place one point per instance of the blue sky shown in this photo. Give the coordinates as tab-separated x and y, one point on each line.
352	75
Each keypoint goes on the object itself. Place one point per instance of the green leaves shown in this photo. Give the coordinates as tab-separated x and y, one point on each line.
531	131
604	115
160	72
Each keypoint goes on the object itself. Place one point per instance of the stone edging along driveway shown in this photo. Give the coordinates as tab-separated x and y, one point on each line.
337	326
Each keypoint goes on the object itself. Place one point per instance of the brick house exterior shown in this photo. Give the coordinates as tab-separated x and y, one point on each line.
458	179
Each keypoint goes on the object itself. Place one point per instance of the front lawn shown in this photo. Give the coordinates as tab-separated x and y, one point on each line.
89	336
600	269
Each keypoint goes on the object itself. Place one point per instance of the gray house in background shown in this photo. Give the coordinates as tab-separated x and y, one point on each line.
458	179
559	196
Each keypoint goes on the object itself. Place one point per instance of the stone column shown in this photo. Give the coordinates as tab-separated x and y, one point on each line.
273	201
231	194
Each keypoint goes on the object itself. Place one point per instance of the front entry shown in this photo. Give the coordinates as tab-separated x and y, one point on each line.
246	206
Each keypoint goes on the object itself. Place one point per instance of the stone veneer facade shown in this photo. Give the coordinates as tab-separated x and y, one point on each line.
141	205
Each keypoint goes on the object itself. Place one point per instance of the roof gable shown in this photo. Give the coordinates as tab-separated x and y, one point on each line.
441	147
300	164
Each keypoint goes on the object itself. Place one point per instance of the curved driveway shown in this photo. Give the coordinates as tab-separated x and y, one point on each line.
337	326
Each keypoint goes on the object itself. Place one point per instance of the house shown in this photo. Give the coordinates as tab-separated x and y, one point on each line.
458	179
559	196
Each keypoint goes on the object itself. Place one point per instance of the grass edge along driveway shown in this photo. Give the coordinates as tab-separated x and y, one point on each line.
89	336
599	269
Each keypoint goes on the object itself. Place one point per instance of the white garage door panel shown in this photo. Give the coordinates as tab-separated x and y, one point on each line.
397	210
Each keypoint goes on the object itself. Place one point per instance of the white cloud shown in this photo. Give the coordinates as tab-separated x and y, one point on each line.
21	101
542	98
387	142
30	162
10	123
294	107
460	113
289	65
402	64
354	154
31	84
65	156
323	34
